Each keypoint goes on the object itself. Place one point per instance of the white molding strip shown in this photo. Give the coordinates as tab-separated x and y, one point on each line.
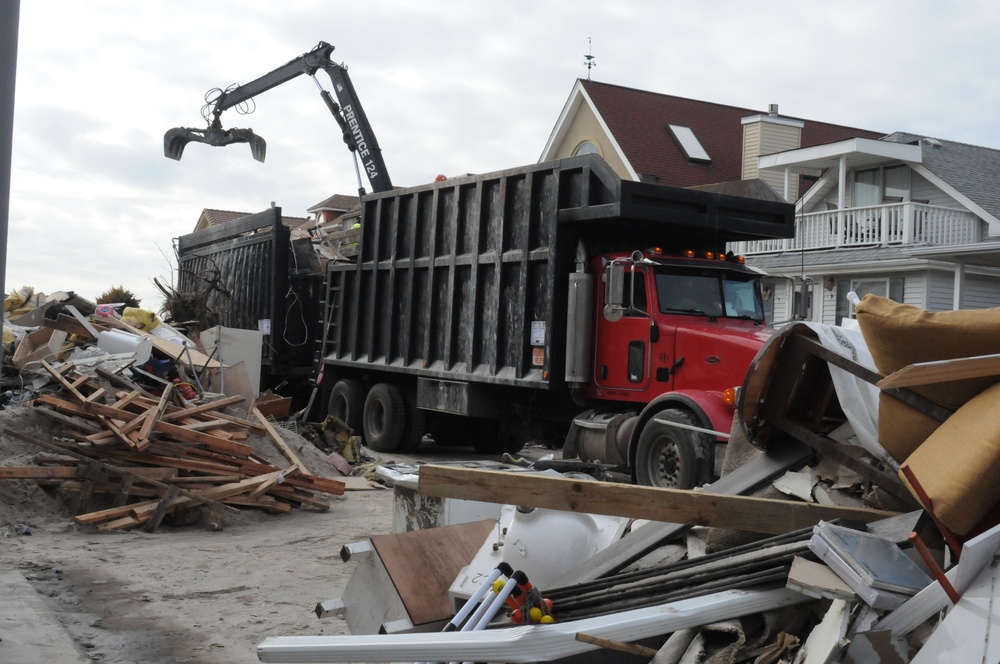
529	643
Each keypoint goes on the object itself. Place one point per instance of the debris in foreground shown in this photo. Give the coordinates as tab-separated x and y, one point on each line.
157	456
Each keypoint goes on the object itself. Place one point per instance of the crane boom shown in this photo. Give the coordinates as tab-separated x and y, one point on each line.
348	113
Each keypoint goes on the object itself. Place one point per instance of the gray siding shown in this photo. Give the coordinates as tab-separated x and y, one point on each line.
980	292
940	291
915	290
922	190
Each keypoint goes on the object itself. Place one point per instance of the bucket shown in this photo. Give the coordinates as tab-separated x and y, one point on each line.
116	341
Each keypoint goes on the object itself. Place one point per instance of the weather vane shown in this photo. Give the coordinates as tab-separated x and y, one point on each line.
589	61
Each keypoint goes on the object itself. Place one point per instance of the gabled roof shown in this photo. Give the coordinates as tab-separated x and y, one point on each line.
638	120
337	202
970	171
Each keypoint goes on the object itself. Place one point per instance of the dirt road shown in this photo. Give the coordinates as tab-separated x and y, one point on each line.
185	595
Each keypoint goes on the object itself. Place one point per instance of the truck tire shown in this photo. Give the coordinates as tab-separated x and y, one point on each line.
384	420
670	457
347	403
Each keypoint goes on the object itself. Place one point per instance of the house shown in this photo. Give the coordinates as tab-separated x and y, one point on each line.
333	208
652	137
209	218
909	217
902	215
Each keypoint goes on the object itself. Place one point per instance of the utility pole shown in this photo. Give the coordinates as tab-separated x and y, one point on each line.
9	18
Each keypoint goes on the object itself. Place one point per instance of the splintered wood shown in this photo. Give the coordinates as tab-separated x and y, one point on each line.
156	456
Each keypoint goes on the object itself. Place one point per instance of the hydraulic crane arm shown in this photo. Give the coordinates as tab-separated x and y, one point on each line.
348	113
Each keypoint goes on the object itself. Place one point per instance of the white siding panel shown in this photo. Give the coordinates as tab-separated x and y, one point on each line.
940	291
828	302
922	190
915	290
981	292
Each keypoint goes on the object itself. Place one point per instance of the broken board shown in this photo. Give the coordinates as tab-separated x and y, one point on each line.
423	563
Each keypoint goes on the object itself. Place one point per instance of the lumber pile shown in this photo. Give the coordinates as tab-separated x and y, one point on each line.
158	455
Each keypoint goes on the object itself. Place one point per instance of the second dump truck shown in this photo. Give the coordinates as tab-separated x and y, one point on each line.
556	302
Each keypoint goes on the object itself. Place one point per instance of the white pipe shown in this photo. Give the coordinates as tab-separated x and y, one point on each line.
671	423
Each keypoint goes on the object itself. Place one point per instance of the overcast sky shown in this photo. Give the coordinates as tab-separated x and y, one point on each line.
449	87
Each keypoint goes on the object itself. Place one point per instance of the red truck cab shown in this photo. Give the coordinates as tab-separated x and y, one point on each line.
671	335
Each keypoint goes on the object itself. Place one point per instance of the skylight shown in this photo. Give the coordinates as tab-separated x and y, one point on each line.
690	144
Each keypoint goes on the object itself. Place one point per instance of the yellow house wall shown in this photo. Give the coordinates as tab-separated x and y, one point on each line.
585	127
763	137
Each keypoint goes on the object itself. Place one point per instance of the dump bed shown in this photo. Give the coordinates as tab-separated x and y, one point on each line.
466	279
244	273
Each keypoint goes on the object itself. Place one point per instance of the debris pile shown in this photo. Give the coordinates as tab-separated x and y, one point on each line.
135	434
896	416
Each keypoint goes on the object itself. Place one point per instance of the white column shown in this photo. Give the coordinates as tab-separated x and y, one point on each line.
841	199
959	283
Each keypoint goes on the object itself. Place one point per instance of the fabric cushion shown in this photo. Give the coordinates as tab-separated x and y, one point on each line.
901	427
958	465
899	335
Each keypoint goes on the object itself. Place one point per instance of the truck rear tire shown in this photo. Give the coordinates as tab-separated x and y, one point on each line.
671	457
384	420
347	403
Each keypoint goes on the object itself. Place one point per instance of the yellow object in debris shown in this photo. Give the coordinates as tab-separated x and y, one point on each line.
141	319
8	336
17	299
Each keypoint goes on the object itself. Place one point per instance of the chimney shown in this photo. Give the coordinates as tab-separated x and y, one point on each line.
768	134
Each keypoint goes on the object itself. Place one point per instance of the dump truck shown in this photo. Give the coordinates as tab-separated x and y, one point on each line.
551	302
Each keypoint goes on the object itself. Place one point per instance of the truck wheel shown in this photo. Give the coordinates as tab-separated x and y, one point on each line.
384	418
670	457
347	403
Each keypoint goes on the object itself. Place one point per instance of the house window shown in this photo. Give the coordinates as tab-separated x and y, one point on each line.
586	147
692	147
875	186
890	287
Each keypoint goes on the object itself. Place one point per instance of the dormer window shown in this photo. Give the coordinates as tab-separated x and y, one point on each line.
690	144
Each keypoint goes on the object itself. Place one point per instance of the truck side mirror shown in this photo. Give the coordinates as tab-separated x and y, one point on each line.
614	292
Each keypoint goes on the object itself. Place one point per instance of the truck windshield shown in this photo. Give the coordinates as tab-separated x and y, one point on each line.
709	293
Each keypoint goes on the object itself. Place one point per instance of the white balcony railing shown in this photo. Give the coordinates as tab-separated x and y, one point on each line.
877	225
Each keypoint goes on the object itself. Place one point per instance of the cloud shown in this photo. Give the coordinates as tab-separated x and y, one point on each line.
450	87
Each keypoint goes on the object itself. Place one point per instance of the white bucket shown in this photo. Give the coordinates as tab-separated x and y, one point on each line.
117	341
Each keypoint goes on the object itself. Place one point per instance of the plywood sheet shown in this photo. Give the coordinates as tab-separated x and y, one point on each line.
423	564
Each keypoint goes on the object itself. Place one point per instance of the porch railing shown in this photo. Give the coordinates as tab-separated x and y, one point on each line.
876	225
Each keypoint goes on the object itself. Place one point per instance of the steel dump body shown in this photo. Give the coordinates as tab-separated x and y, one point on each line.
466	279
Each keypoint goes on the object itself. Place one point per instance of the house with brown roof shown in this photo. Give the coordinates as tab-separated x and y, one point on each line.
209	218
901	215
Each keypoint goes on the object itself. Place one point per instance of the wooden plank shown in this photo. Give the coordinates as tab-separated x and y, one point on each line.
925	373
166	502
439	554
68	386
154	414
71	421
201	438
745	479
841	455
263	487
280	442
202	408
695	508
61	450
608	644
37	472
